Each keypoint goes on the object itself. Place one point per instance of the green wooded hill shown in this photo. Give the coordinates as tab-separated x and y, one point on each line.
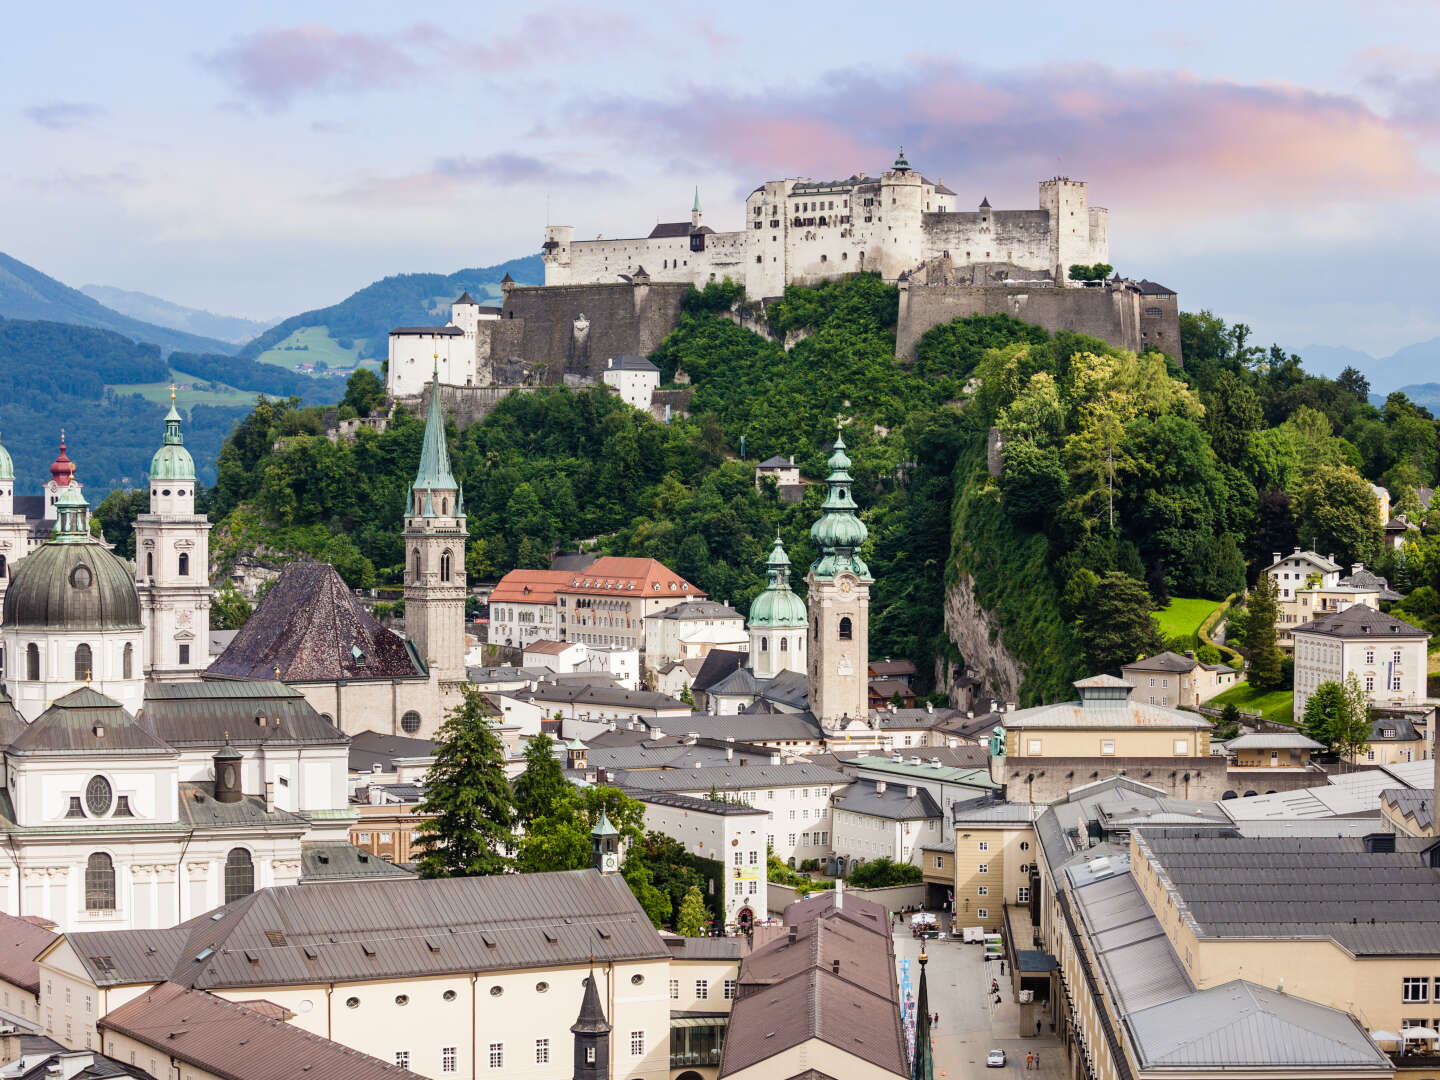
1110	464
26	293
361	323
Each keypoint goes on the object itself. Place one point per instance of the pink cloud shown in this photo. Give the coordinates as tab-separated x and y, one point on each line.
450	174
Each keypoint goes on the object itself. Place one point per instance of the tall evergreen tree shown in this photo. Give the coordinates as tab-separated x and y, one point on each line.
1263	670
1116	625
541	786
469	818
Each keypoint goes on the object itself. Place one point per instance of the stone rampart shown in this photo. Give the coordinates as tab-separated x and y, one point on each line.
466	405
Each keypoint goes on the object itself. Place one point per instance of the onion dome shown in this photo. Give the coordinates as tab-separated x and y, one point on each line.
7	466
172	461
778	605
72	582
62	469
839	532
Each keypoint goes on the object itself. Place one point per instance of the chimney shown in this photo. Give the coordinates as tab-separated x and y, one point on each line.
909	791
775	758
1275	555
376	767
929	706
1355	568
839	893
879	787
269	796
729	753
602	776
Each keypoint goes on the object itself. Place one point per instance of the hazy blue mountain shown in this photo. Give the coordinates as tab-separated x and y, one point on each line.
369	315
153	309
1413	365
1330	360
26	293
1427	394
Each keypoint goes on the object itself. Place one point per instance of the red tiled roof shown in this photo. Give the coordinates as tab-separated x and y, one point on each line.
530	586
614	573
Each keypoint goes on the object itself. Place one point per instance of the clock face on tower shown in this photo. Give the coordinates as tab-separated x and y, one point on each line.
608	862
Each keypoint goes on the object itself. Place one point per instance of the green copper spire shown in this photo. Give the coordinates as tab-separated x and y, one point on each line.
696	208
922	1064
839	532
72	517
435	474
172	461
777	605
901	165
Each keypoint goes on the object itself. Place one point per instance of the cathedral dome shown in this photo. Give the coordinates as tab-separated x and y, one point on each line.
775	607
7	467
172	461
72	582
839	530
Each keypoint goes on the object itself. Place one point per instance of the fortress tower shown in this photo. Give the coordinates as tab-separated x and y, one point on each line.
172	563
839	604
435	538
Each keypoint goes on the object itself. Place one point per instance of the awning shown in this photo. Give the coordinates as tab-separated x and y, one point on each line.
698	1021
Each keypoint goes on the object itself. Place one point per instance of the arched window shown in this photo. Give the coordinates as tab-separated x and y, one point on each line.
239	875
83	664
184	564
764	644
410	722
445	566
99	883
127	662
784	644
445	507
32	662
846	630
149	564
417	565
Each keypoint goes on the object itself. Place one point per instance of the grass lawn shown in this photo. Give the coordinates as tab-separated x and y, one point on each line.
1183	618
185	400
317	345
1275	705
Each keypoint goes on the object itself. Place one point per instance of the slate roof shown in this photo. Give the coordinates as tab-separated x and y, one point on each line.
308	628
789	688
588	693
427	331
335	860
371	748
231	1041
1359	622
383	929
186	714
465	298
1411	803
864	797
1305	887
1328	566
631	363
20	942
1368	579
1153	288
85	721
731	777
698	805
1274	740
777	461
698	609
746	726
1165	661
1239	1025
718	664
1401	729
668	230
741	682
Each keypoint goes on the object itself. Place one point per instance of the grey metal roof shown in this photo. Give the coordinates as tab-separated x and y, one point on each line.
919	769
1164	661
427	331
1273	740
335	860
1328	566
751	727
590	693
200	809
1129	944
864	797
1102	713
698	805
989	811
12	724
698	609
631	363
718	664
20	942
371	748
128	957
788	688
86	721
777	461
1359	622
206	713
731	777
1305	887
1410	803
1399	729
741	682
702	948
1241	1025
79	585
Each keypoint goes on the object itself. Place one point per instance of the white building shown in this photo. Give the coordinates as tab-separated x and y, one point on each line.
1301	570
875	819
782	470
689	630
730	833
634	378
1385	653
417	352
802	231
561	657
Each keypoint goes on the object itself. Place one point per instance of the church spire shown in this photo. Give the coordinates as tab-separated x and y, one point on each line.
435	474
839	532
922	1062
592	1036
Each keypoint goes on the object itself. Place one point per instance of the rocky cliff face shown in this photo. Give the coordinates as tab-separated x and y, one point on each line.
977	634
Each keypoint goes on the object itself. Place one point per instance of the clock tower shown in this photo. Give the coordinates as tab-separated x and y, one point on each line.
605	845
839	601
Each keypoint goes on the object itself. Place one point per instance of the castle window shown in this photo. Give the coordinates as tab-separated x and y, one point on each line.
846	629
32	661
184	564
239	875
2	566
99	883
127	662
84	664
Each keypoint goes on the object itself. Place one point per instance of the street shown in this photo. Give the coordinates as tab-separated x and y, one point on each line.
971	1024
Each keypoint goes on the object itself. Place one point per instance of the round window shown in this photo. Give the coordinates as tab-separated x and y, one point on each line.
636	980
351	1003
305	1006
402	999
496	991
410	722
1024	845
541	987
81	577
165	492
449	995
98	796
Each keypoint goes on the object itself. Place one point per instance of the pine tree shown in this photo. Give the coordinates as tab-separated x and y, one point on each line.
1264	670
690	921
468	814
1116	624
540	787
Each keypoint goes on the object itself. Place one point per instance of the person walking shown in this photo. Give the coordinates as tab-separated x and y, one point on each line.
1029	1062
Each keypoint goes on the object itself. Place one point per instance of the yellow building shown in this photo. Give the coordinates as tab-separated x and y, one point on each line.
992	858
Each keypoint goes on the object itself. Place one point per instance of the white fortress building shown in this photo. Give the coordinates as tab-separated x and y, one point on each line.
804	231
417	352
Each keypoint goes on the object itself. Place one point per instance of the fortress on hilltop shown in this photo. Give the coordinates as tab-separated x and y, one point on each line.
804	231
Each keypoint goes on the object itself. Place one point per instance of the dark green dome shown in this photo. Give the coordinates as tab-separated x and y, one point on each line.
72	586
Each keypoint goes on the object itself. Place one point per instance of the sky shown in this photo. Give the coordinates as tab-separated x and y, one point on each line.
1274	162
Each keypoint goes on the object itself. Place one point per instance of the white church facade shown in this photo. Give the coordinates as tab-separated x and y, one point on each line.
800	231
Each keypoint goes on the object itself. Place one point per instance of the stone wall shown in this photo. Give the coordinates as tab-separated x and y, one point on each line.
545	333
1046	779
1112	313
465	405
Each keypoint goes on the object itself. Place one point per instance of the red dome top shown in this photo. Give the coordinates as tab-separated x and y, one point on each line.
62	469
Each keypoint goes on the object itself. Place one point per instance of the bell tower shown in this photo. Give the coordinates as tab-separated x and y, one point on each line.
777	621
435	538
839	603
172	563
605	845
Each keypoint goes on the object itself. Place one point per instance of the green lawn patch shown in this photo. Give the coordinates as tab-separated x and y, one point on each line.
306	346
1277	706
1183	617
191	392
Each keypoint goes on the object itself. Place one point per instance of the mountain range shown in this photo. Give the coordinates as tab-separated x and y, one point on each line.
152	309
1413	370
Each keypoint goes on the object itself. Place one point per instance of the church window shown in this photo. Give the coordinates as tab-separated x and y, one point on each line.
184	654
184	564
149	564
74	810
417	565
99	883
83	663
98	796
32	661
239	875
846	629
784	644
127	662
410	722
445	566
122	807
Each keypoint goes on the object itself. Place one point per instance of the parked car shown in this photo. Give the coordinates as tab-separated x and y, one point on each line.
995	1059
